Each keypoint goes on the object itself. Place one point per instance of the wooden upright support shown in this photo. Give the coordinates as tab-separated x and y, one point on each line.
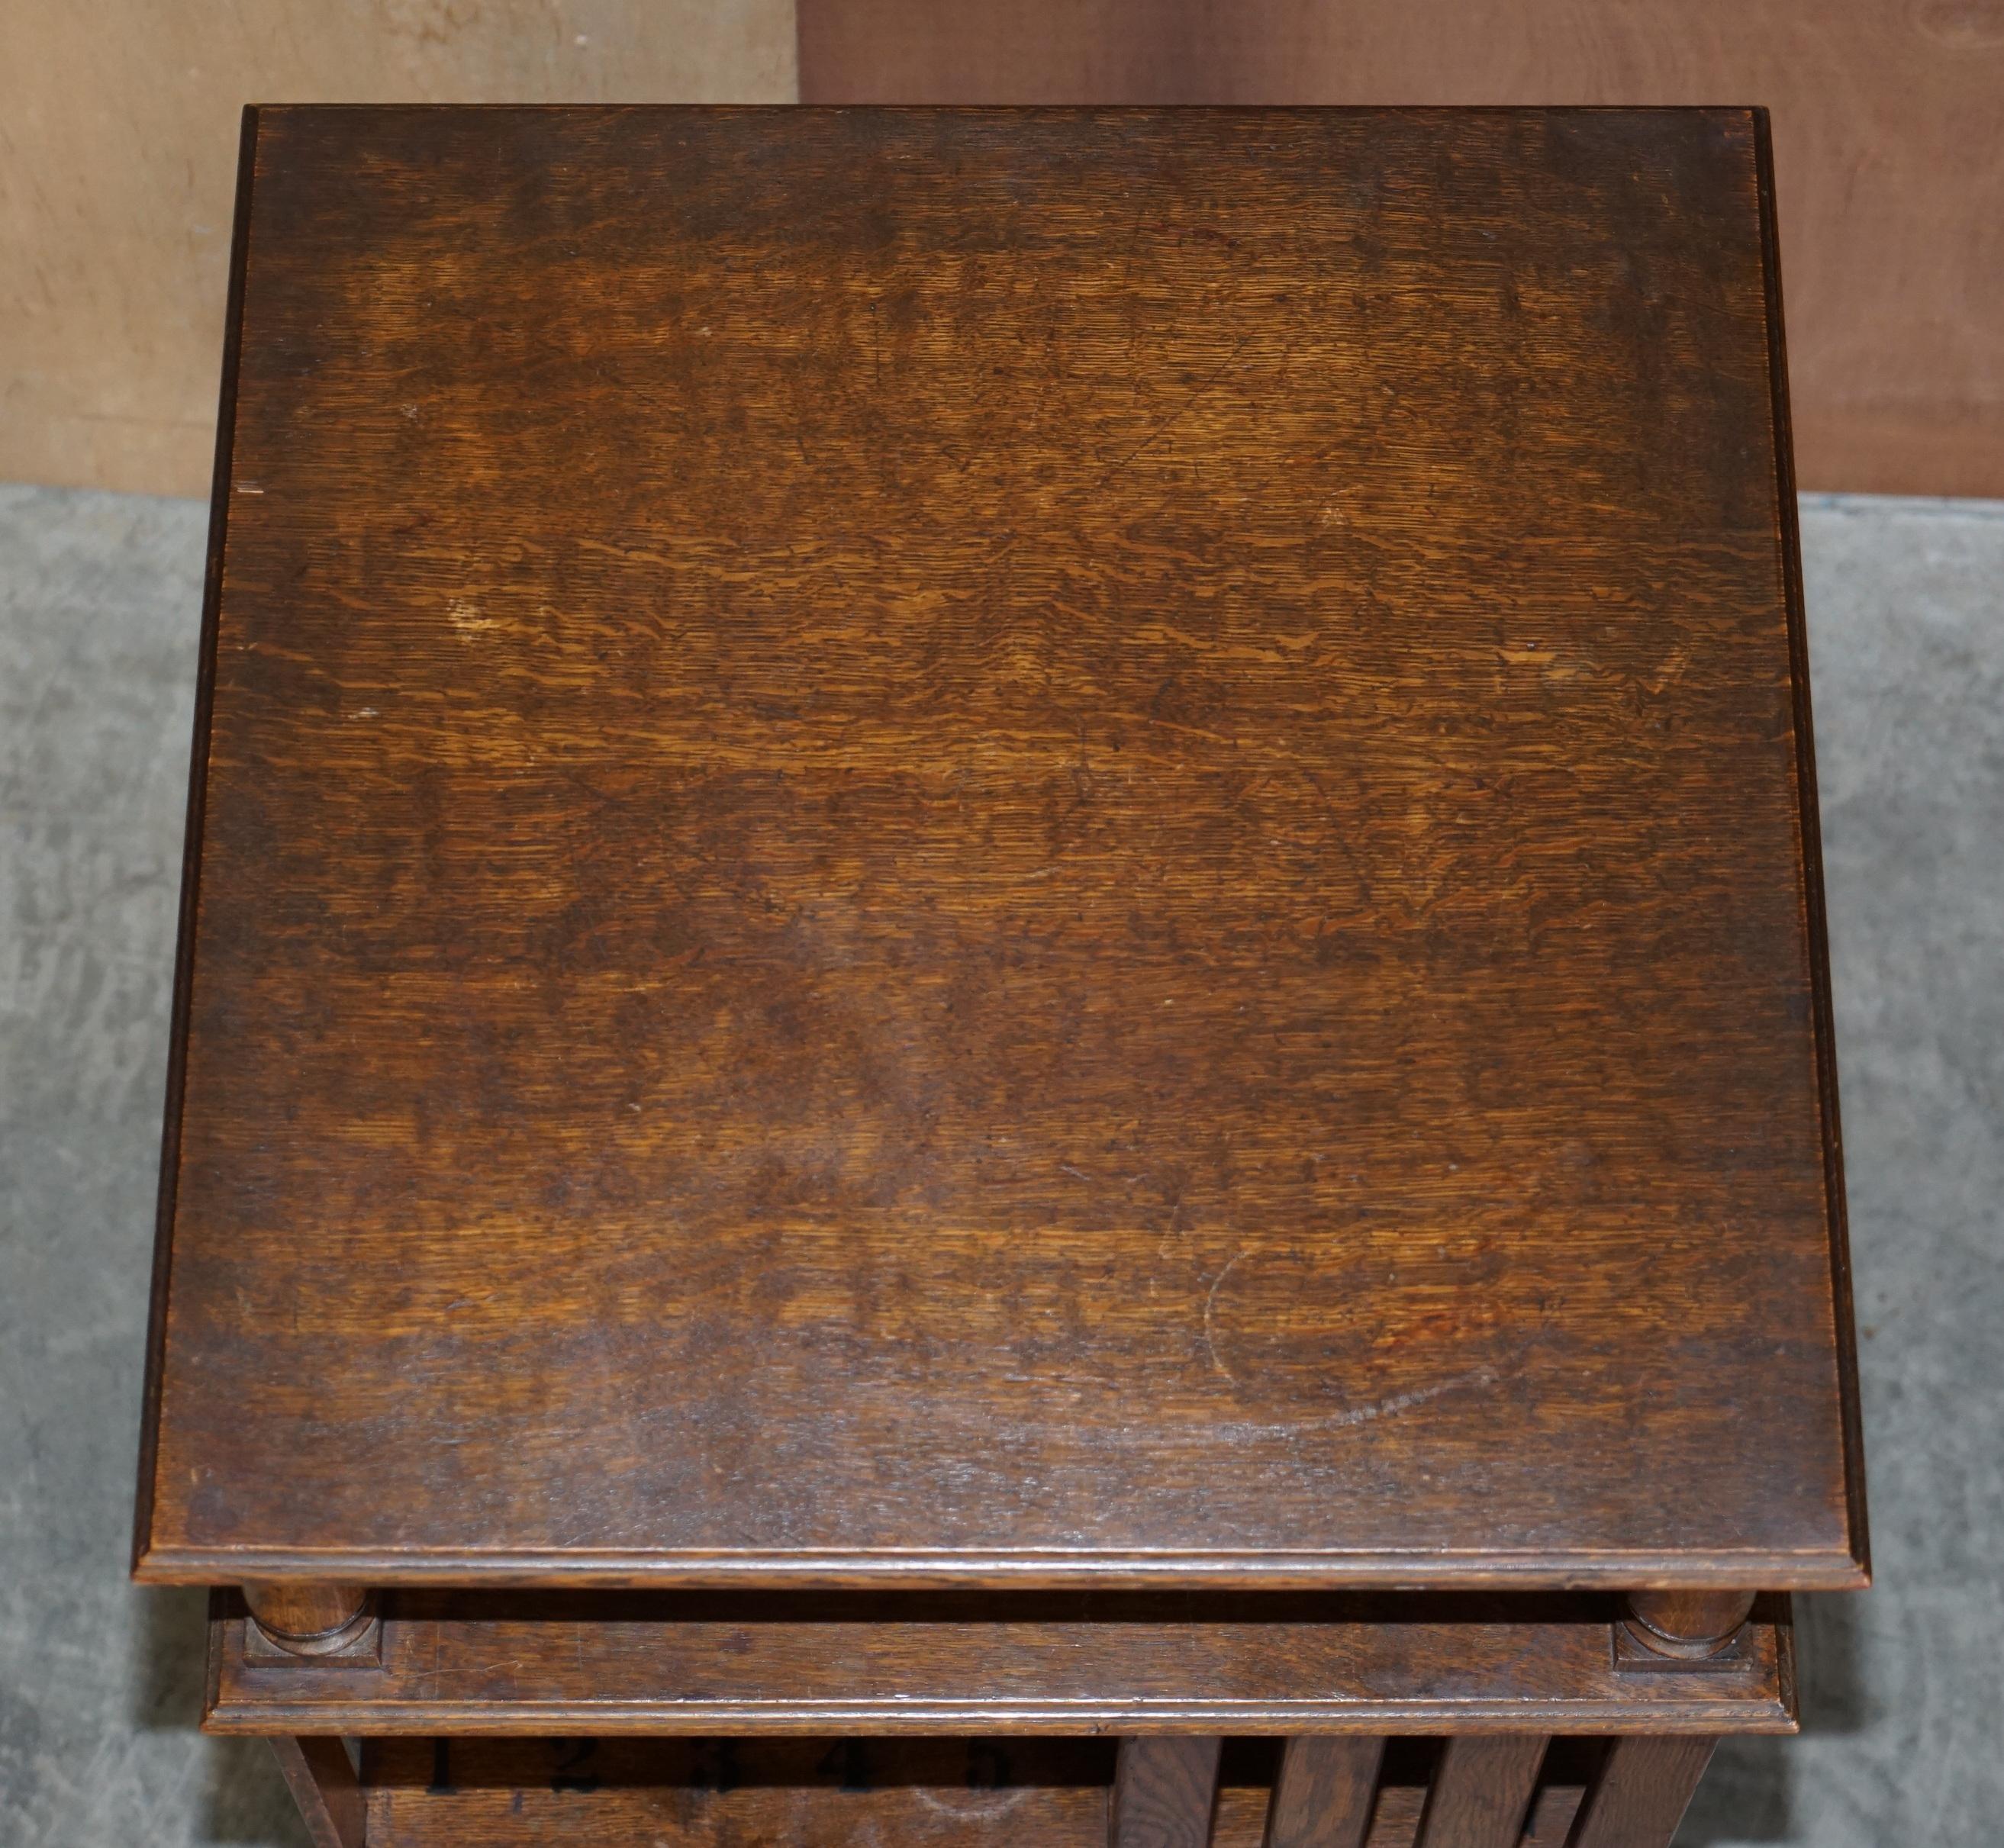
1163	1789
309	1619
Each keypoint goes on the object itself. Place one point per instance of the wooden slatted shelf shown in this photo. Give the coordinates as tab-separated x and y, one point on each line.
914	1793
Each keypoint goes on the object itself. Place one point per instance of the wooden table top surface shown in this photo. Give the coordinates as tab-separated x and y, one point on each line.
1003	847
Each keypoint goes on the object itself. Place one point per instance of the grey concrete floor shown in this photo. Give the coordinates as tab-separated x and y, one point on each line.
100	1683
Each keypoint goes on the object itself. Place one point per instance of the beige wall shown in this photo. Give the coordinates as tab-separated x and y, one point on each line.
118	132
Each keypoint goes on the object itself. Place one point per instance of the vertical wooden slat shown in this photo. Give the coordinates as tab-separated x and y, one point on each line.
1323	1796
1554	1810
1641	1793
1481	1791
325	1788
1163	1789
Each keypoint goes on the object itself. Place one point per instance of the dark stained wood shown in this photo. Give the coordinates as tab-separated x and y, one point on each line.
725	1794
1480	1795
1825	1035
1553	1811
307	1619
323	1784
191	857
1323	1796
883	1793
610	1663
1641	1793
1409	1765
1395	1821
993	848
1691	1624
1164	1791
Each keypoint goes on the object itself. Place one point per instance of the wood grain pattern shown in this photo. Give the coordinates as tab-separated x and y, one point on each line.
1480	1795
1891	149
1691	1625
309	1619
1554	1811
322	1780
1641	1793
757	1663
1326	1791
960	847
1165	1789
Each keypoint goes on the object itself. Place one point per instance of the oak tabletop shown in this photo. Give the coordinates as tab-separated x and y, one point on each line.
985	847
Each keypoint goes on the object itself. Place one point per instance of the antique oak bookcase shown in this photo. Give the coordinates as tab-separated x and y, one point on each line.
1002	1010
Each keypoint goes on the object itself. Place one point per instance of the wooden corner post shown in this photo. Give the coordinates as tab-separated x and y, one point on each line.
310	1619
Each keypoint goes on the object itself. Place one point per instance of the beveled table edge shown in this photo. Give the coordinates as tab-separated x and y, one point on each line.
1445	1718
888	1569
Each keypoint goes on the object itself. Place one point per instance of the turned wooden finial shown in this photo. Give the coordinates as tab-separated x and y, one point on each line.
311	1619
1690	1625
